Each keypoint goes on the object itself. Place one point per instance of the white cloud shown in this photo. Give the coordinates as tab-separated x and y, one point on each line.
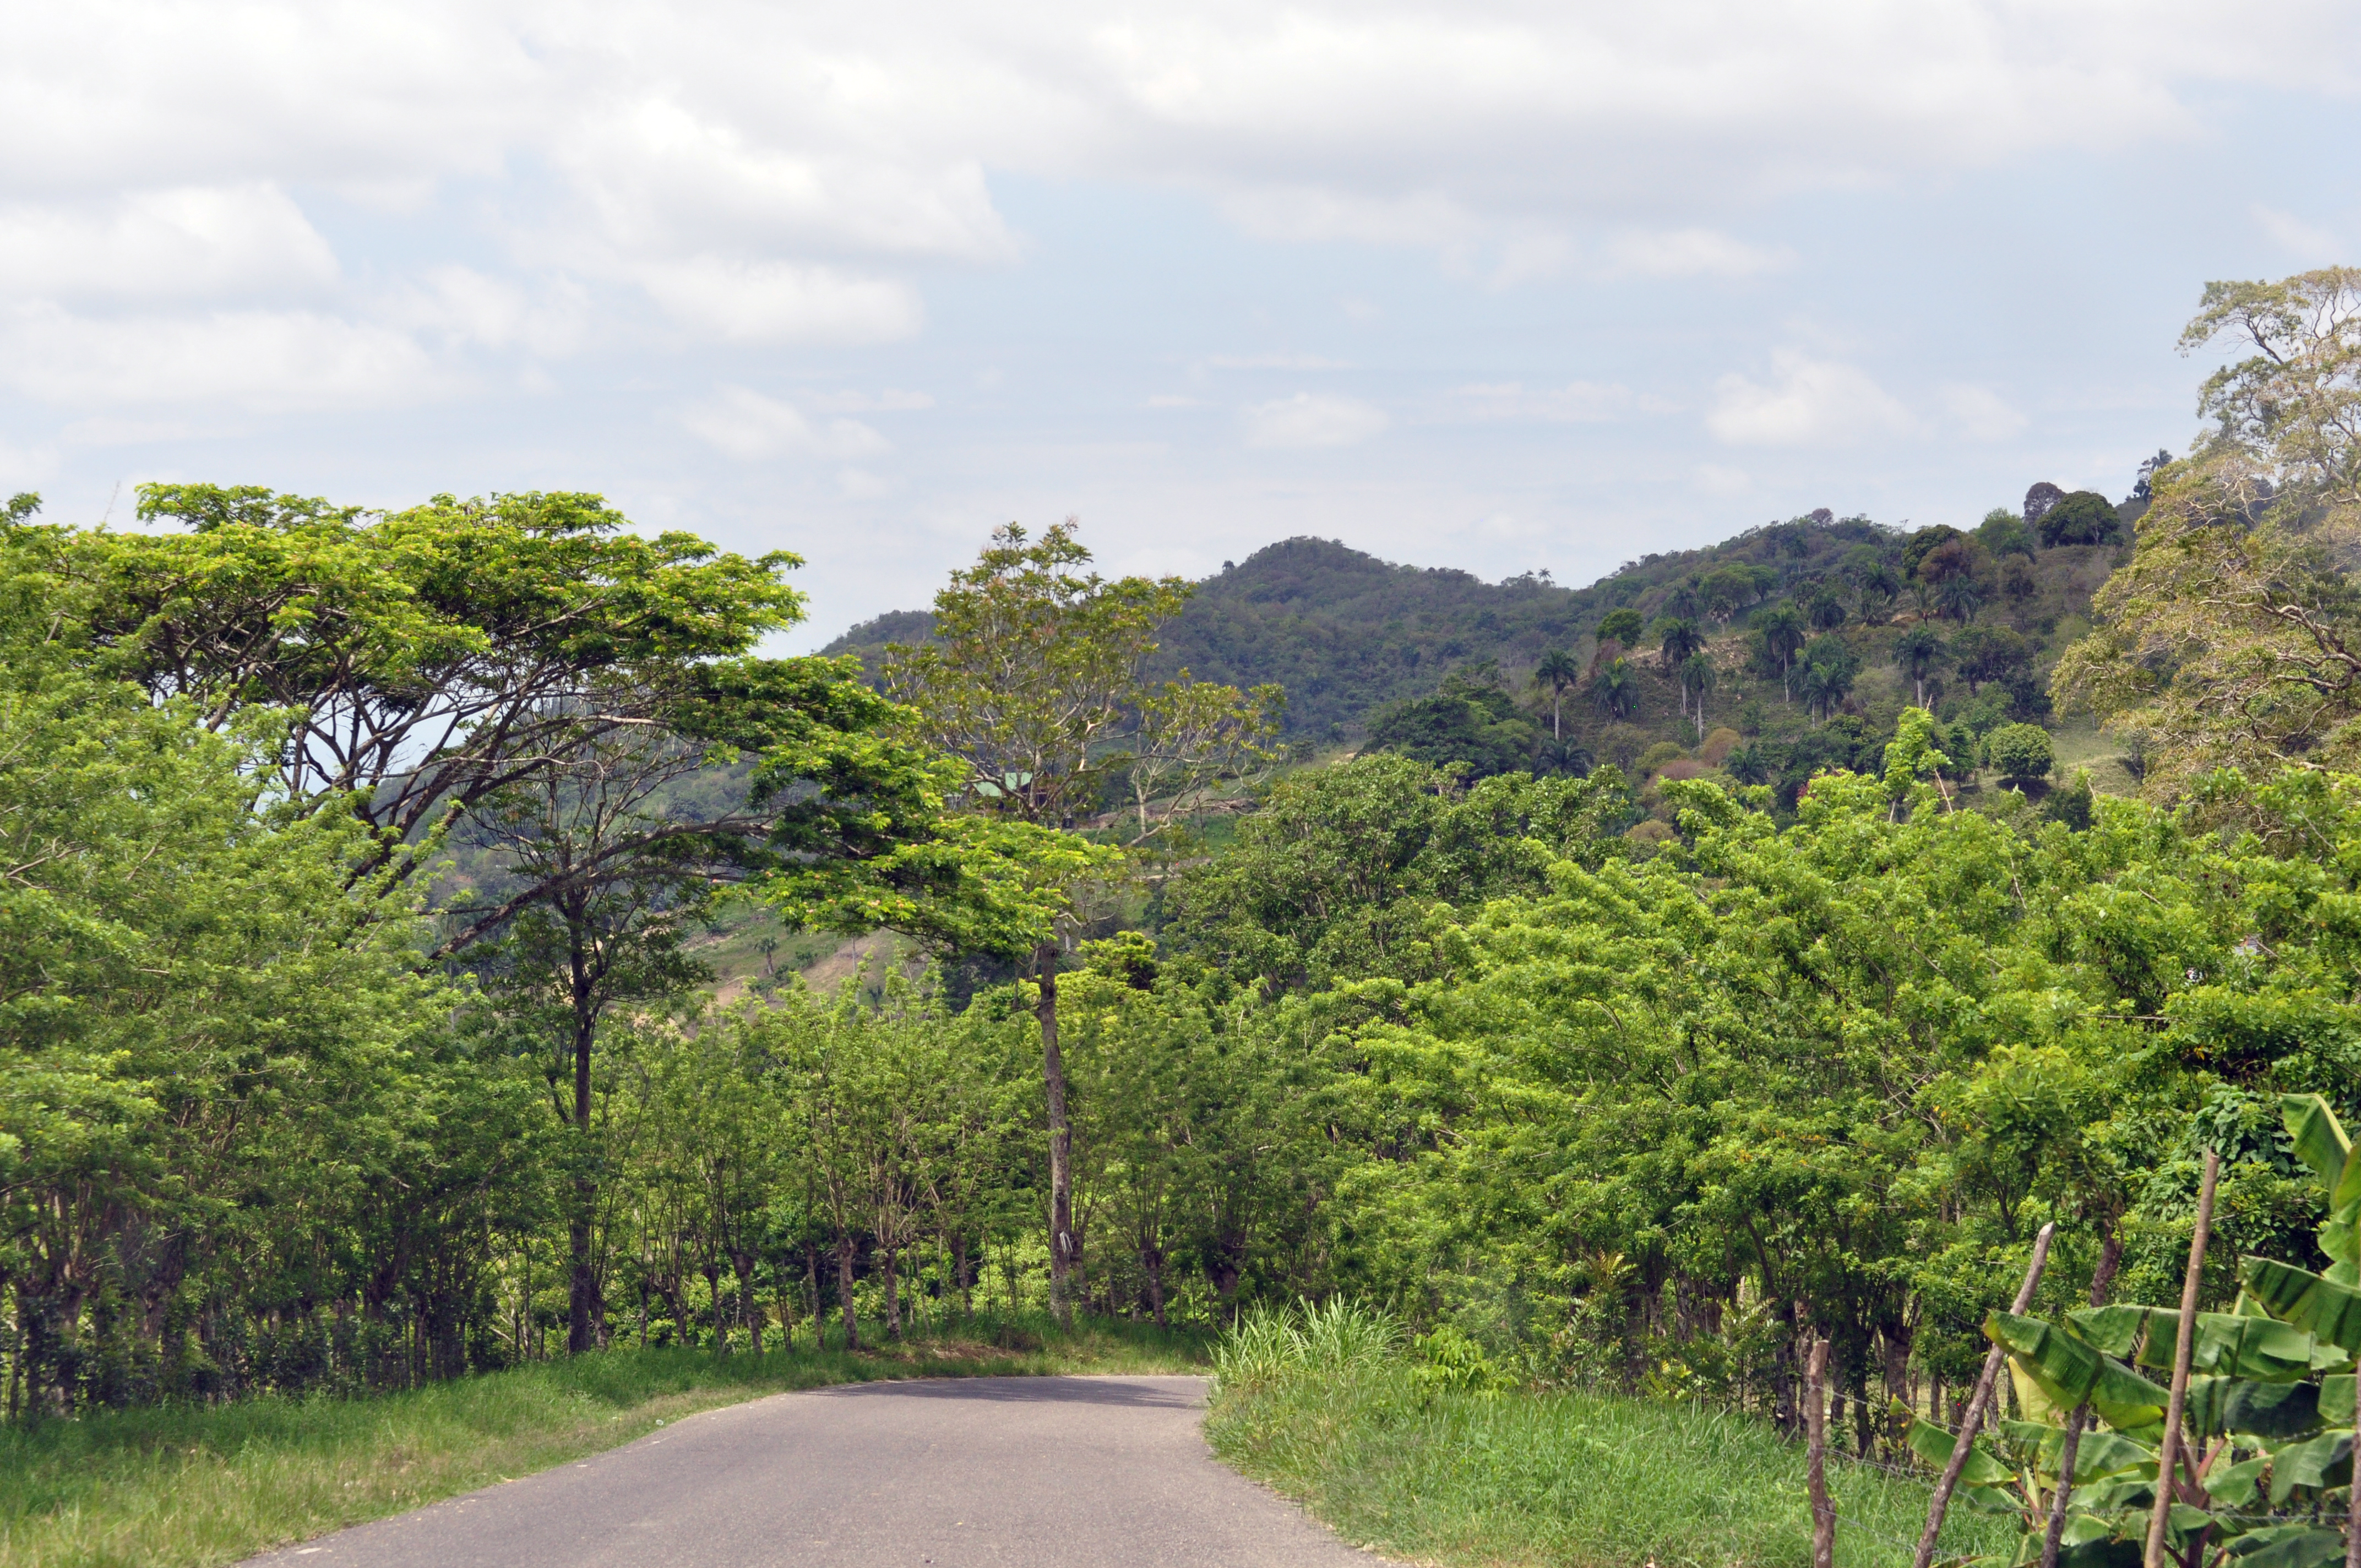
466	306
1810	402
1576	403
269	361
1304	419
745	425
1272	362
2301	240
1174	401
1690	253
1715	480
773	302
887	401
190	243
1982	414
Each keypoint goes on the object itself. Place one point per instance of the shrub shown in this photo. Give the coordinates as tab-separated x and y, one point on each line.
1718	744
2020	751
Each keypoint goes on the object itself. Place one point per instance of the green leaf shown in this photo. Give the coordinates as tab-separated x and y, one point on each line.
2330	1310
2271	1409
2319	1140
1933	1445
2325	1461
2233	1486
2289	1546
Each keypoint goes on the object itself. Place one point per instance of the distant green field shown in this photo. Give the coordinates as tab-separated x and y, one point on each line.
182	1486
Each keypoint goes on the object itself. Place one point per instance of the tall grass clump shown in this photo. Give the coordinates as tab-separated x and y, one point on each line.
1268	1347
1423	1450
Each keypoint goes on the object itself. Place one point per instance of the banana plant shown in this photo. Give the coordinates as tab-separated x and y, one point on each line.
2266	1460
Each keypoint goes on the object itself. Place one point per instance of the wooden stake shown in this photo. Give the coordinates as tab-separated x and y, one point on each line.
1816	1427
1961	1447
2170	1452
2111	1253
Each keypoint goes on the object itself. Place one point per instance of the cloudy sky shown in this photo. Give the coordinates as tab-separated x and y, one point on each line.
1485	283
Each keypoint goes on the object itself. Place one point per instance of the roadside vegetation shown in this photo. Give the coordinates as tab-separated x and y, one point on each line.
180	1486
358	875
1425	1454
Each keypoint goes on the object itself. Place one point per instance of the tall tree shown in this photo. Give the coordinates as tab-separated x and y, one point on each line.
1558	670
2231	635
1033	685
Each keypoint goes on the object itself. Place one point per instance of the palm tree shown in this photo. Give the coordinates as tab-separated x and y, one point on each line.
1782	630
1828	612
1559	670
1877	586
1962	596
1920	653
1696	679
1615	689
1678	637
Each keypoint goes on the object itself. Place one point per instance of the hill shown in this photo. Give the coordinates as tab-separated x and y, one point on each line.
1370	651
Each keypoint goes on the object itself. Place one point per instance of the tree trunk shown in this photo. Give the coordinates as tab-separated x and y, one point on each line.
1151	1258
844	1292
1062	1249
892	1293
582	1296
959	1272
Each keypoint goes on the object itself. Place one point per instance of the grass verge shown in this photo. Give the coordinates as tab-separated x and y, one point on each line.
1594	1480
182	1486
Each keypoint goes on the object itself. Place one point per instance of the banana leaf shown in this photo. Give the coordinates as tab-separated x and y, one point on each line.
2117	1330
2289	1546
2320	1307
2103	1453
2070	1369
1933	1445
2320	1141
2232	1485
2324	1462
2340	1240
2270	1410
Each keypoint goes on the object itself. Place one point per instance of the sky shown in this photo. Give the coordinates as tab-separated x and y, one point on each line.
1501	285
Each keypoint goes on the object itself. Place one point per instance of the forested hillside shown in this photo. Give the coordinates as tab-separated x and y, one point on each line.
1748	978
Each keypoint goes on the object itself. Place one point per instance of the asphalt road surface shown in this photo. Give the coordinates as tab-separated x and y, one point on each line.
1059	1472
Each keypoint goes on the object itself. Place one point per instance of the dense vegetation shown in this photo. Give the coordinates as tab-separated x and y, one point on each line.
355	1035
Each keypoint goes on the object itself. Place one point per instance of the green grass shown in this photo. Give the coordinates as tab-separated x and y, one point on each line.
178	1486
1561	1478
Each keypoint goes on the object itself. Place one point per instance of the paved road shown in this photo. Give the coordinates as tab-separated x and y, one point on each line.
1058	1472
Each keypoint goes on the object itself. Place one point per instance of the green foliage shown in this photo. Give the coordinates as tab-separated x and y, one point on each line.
1470	722
2084	517
2021	752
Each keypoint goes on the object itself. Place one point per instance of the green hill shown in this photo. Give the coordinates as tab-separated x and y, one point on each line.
1369	651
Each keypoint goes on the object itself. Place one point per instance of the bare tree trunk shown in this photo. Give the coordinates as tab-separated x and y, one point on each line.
2183	1343
844	1291
893	1294
1151	1258
2111	1253
1962	1445
1816	1427
583	1306
1061	1137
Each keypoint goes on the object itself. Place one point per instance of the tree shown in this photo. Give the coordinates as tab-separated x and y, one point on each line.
437	654
1919	653
2084	517
1827	611
1829	671
1988	654
2020	753
2230	636
1034	685
1783	635
1697	680
2003	532
1558	670
1623	625
1677	639
1615	689
1961	598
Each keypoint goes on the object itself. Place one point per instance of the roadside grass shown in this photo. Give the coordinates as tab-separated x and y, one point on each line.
181	1486
1598	1481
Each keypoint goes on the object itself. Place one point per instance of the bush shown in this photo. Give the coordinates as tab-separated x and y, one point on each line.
2020	753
